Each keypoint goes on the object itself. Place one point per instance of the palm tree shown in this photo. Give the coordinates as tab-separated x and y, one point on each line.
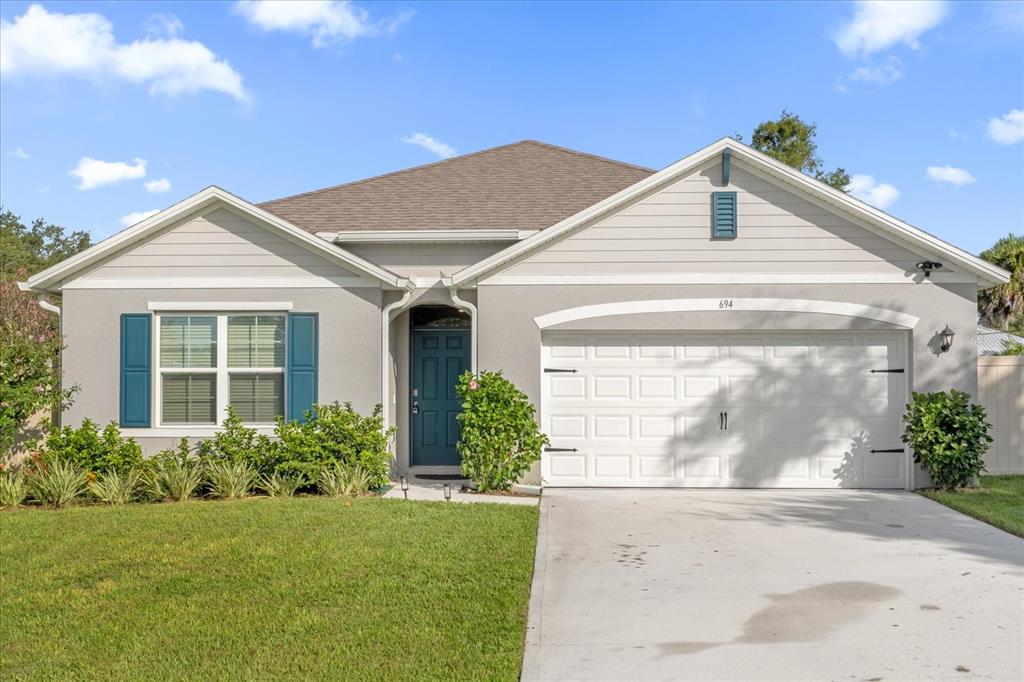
1002	307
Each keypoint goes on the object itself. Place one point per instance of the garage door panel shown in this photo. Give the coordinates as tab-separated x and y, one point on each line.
803	409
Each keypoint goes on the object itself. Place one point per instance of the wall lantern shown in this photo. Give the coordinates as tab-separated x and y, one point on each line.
947	338
447	492
404	482
926	266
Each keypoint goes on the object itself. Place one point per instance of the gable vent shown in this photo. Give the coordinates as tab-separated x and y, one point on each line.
723	215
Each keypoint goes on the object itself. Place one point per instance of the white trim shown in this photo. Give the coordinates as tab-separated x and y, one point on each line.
858	209
742	278
775	305
216	306
473	324
189	431
424	236
385	352
225	283
51	277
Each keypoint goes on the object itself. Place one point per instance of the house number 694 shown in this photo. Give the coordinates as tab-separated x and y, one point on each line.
725	303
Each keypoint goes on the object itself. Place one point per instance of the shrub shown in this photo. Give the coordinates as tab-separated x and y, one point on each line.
115	487
230	480
339	480
949	435
174	480
279	485
335	434
239	443
13	486
57	483
90	450
499	438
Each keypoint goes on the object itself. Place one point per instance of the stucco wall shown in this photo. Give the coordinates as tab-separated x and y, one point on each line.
349	361
510	340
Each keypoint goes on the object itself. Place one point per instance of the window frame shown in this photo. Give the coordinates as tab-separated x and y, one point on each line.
221	369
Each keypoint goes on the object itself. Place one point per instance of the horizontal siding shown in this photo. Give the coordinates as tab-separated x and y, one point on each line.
217	244
426	259
670	232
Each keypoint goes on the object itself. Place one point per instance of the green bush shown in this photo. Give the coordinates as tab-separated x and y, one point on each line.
115	487
13	486
174	475
949	435
239	443
57	483
279	485
340	480
90	450
230	480
499	438
335	434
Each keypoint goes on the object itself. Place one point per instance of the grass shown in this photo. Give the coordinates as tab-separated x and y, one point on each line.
266	588
999	501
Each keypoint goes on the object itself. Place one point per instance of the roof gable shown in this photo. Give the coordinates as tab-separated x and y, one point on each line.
56	276
526	185
834	200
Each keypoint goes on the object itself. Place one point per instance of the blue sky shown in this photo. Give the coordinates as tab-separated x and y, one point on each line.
924	102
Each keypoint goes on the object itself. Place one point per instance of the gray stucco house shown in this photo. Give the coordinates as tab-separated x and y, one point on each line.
725	321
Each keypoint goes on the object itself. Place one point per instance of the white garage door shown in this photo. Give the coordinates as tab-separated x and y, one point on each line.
716	410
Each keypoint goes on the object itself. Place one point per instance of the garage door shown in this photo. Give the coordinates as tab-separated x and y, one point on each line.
819	410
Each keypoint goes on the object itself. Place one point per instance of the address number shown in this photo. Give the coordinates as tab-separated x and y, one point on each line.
725	303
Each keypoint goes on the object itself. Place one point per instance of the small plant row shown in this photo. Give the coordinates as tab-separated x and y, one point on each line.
335	451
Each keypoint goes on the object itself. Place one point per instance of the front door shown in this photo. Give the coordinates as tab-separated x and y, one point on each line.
439	356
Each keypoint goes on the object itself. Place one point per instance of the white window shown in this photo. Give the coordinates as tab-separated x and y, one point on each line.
209	361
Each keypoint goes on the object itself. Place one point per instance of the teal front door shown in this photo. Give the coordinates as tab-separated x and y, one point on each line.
439	356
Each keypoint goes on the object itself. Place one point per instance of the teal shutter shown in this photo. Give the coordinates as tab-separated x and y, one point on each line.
136	370
723	215
302	371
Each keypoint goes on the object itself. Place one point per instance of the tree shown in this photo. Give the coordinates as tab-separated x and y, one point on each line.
37	247
791	140
1002	307
29	353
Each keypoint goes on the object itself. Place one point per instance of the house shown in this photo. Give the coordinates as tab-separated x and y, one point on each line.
994	342
725	321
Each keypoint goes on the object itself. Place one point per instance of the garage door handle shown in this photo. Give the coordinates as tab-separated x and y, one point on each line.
560	450
890	450
553	370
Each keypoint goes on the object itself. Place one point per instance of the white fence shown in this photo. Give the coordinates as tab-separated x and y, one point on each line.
1001	390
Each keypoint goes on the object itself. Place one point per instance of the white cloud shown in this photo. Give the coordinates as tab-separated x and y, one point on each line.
93	173
20	153
41	43
886	74
158	186
442	150
137	217
956	136
327	21
1008	128
954	176
879	194
876	26
164	25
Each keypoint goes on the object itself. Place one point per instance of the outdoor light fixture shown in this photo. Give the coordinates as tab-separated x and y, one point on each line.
447	492
926	266
404	482
947	338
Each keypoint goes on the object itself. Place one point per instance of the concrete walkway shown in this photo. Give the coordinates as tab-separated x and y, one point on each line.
433	490
771	585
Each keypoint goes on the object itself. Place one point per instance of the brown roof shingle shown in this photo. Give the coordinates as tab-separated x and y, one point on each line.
525	185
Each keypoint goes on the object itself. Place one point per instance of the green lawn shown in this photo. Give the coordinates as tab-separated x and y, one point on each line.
999	501
266	588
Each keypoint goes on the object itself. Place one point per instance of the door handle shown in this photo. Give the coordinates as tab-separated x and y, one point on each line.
721	421
726	420
415	407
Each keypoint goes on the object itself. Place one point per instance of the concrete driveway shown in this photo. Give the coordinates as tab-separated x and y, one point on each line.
759	585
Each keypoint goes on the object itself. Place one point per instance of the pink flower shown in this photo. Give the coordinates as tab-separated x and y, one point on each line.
473	385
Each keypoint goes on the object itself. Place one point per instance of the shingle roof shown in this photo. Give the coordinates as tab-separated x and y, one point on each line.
525	185
993	341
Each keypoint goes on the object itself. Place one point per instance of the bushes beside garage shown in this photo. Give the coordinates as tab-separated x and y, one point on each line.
334	450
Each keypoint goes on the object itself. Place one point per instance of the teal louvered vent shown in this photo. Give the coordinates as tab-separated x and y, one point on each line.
723	215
